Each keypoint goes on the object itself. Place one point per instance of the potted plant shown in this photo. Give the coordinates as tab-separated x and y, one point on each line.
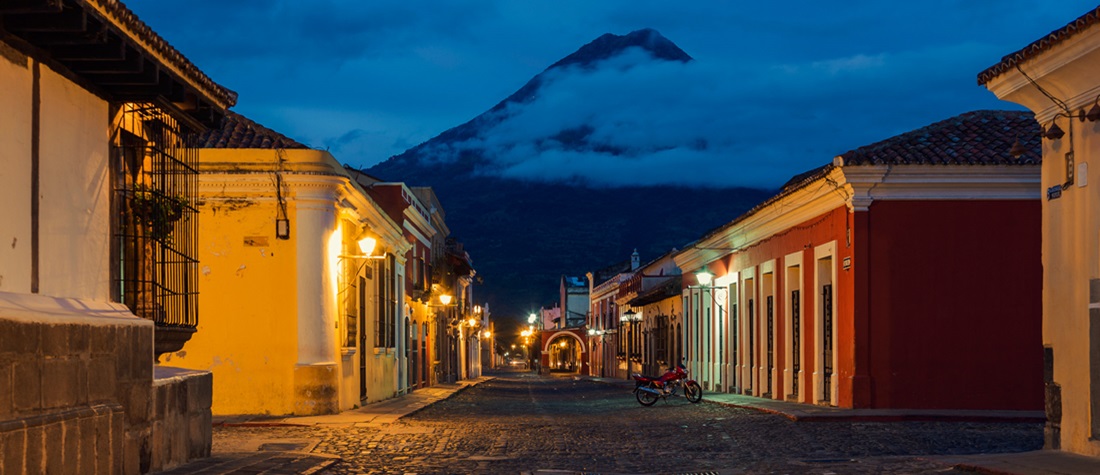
155	211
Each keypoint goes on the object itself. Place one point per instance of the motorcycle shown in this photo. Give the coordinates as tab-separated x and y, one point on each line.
647	389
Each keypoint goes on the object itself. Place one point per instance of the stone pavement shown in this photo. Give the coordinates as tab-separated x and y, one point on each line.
293	456
256	449
1040	462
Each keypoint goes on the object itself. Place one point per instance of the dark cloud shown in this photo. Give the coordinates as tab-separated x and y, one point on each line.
776	87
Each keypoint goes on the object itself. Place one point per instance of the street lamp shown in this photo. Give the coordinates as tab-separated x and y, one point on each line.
704	278
630	316
445	299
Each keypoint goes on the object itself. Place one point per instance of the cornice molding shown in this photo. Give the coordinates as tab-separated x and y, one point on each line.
814	199
856	188
1066	70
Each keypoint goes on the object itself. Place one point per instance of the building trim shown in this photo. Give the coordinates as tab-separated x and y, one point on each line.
822	252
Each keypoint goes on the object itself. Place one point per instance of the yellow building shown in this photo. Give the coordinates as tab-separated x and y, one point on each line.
1056	78
296	317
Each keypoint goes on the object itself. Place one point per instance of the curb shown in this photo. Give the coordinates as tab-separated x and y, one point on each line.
259	424
966	467
464	387
798	416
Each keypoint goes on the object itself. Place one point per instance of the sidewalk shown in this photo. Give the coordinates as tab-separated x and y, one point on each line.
382	412
1040	462
293	456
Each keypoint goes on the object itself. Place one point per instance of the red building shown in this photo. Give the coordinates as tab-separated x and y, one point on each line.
403	205
905	274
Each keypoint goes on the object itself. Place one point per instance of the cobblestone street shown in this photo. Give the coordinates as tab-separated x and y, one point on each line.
521	422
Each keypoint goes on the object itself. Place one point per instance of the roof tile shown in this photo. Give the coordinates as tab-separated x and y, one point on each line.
973	138
1038	46
238	131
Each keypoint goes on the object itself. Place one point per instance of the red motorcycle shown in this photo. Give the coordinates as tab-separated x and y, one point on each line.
649	388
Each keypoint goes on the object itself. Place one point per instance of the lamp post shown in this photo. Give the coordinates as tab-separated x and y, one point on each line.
445	339
704	280
630	318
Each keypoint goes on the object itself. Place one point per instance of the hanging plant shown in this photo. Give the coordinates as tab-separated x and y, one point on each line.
155	211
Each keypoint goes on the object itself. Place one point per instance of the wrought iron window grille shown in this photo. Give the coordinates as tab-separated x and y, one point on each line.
155	224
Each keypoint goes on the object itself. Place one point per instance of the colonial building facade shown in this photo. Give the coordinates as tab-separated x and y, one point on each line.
653	315
98	263
286	262
413	216
864	283
1055	77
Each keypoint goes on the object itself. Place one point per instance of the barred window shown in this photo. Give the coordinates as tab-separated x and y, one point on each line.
385	323
154	220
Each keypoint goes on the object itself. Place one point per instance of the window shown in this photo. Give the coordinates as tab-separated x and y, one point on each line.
661	341
358	312
385	321
155	225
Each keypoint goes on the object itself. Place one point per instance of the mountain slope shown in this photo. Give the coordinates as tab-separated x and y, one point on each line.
523	234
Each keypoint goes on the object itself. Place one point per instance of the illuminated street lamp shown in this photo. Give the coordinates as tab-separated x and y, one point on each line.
445	299
704	278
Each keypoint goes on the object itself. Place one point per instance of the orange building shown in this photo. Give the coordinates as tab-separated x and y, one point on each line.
905	274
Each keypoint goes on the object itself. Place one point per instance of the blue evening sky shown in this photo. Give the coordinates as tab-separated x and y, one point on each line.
775	88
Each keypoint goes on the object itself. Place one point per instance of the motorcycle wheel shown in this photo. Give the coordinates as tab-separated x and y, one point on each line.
693	392
646	398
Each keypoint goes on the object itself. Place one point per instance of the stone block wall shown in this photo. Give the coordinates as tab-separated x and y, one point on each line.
69	386
77	394
182	426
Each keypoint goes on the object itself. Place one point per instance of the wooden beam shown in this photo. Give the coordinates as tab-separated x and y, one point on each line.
132	65
148	76
69	20
113	50
30	6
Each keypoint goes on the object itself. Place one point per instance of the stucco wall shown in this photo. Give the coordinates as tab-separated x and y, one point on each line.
74	242
954	303
1070	231
768	256
1071	258
247	334
274	313
15	150
74	207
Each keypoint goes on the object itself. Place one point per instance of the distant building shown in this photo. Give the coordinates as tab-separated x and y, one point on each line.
574	302
1056	78
548	318
607	357
414	217
653	327
904	274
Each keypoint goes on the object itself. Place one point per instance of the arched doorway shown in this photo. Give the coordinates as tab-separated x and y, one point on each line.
565	352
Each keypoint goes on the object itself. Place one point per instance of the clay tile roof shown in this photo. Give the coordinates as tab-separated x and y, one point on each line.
1042	44
238	131
973	138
